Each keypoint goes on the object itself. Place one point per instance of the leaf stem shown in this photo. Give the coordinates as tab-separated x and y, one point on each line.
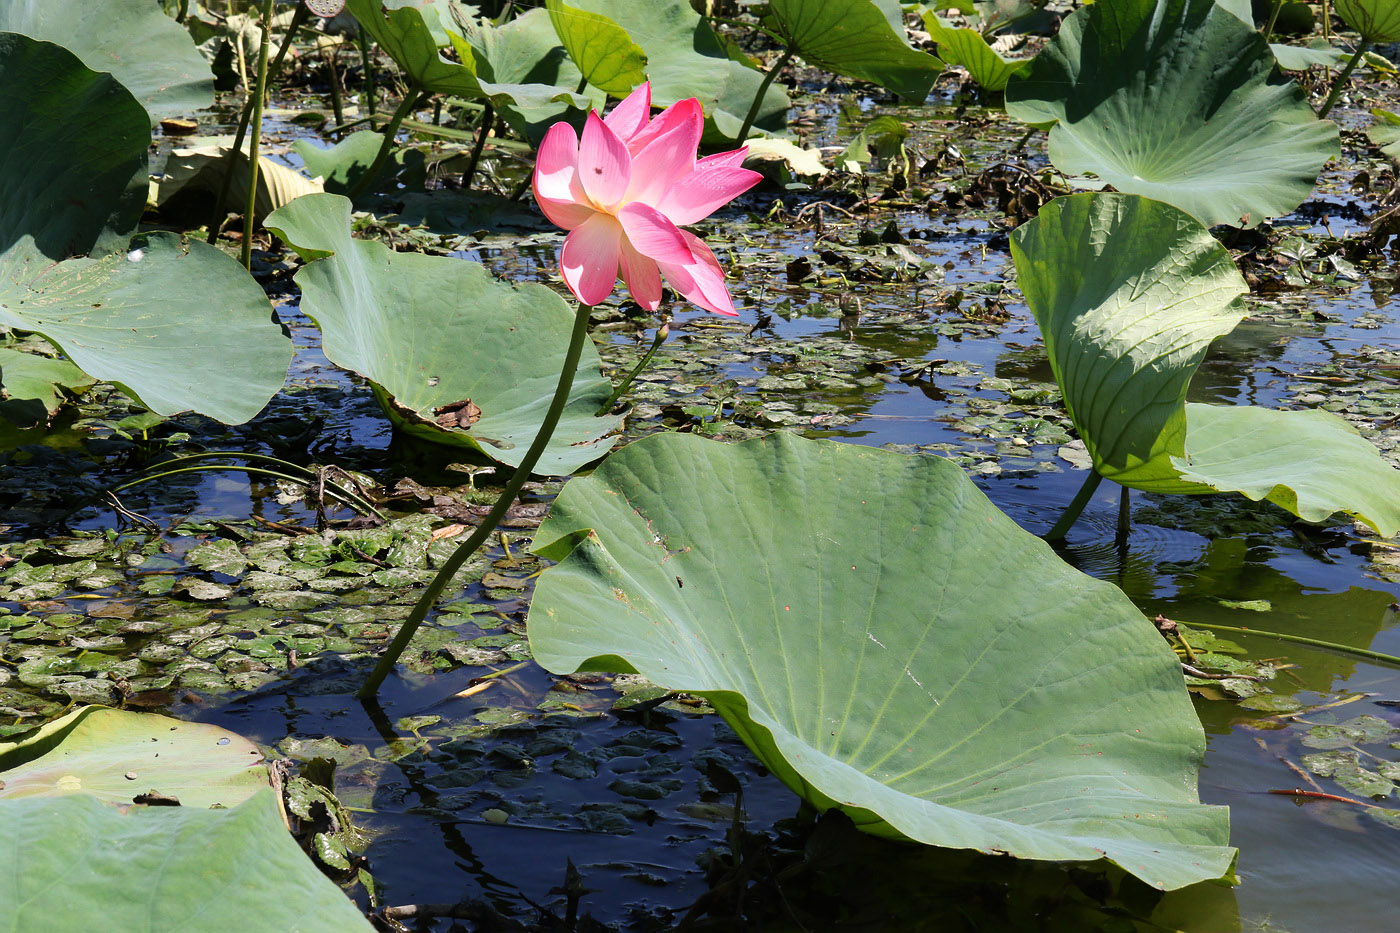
245	250
752	115
488	117
1071	513
217	220
1355	60
467	548
1273	18
1365	653
365	181
661	334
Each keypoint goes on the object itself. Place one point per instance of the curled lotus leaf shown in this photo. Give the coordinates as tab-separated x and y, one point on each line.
888	643
455	356
1176	100
1129	293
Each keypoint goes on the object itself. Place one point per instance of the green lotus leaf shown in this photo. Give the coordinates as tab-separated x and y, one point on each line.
145	50
407	39
1376	20
76	863
1311	463
861	39
601	49
38	381
129	313
115	754
967	48
1303	57
525	50
1385	132
686	58
887	642
1129	293
1176	100
433	333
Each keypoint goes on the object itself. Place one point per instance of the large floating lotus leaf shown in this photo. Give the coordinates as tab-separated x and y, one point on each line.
115	755
685	58
600	48
433	333
178	325
861	39
147	51
75	863
967	48
887	642
1129	293
406	38
1179	101
1376	20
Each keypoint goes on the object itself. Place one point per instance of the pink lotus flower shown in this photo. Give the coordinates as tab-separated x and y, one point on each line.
624	190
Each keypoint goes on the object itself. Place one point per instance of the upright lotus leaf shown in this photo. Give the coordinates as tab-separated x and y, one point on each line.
601	49
1376	20
407	39
1129	293
202	168
685	58
887	642
145	50
456	356
1177	100
114	755
861	39
75	863
177	325
967	48
525	50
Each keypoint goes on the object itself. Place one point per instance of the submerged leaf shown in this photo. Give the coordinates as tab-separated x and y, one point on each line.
1179	101
433	333
905	653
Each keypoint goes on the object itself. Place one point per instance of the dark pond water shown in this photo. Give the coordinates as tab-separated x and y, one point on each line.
491	793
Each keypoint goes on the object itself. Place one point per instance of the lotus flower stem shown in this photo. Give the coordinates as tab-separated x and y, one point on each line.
661	334
752	115
216	221
1366	653
1125	516
410	100
1071	514
488	117
1342	78
483	532
245	251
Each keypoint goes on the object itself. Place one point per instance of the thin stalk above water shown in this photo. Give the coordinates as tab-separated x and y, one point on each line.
467	548
661	333
752	115
406	106
1342	78
1076	506
245	250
